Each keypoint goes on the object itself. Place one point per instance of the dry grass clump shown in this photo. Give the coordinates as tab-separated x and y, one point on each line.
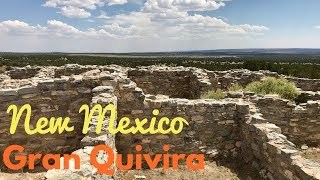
235	87
215	94
220	94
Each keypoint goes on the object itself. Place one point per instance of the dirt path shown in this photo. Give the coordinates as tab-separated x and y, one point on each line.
312	153
22	176
212	171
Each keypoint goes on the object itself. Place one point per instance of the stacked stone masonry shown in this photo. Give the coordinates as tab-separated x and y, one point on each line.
244	126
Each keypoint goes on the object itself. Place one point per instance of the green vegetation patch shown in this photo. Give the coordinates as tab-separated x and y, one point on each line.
269	86
220	94
217	95
304	66
235	87
278	86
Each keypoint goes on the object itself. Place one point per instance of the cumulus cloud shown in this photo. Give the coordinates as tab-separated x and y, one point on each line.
169	19
182	5
79	8
61	28
18	27
74	12
114	2
157	19
88	4
53	29
165	21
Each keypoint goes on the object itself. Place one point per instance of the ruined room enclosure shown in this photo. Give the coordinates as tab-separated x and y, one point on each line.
261	132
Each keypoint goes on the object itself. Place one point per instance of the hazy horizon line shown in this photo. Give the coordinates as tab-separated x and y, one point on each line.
143	52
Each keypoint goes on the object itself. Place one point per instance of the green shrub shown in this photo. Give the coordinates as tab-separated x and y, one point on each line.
235	87
217	94
278	86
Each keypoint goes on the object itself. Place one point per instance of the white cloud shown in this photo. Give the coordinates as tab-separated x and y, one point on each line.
317	27
103	15
181	5
19	28
53	29
59	27
158	19
114	2
116	29
80	8
160	24
88	4
74	12
169	19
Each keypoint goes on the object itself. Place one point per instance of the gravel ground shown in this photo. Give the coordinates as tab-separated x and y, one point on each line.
212	171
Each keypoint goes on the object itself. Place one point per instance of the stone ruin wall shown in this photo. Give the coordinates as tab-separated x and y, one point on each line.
269	152
306	84
51	98
213	127
175	82
300	123
228	129
188	82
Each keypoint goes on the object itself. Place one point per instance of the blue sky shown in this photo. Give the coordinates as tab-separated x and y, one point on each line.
157	25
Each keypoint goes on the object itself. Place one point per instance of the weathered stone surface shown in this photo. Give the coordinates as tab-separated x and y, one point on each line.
245	125
102	89
9	92
62	175
28	90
